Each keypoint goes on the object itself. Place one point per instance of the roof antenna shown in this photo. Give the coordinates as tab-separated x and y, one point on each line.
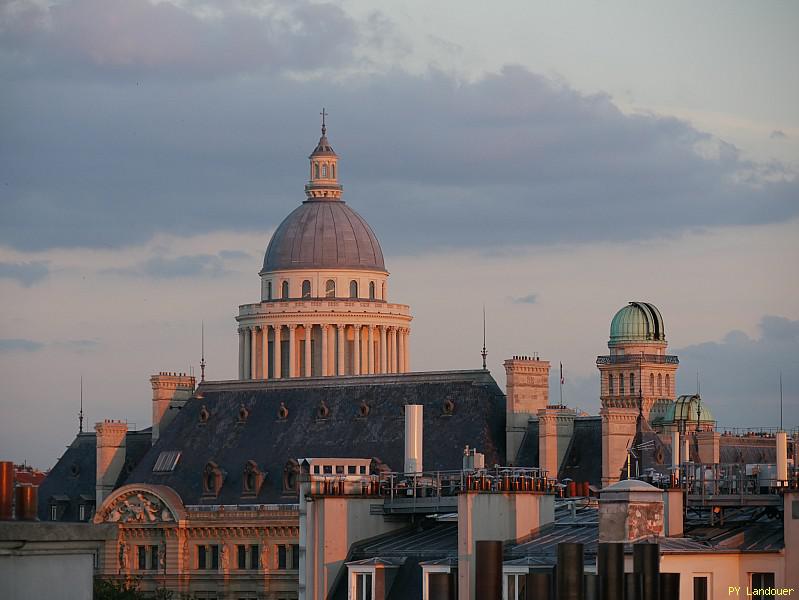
80	414
697	384
202	350
324	114
484	353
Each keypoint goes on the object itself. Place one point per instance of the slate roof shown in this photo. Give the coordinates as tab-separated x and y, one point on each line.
583	458
71	482
478	419
527	454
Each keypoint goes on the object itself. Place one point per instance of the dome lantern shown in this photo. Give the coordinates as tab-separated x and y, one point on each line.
323	180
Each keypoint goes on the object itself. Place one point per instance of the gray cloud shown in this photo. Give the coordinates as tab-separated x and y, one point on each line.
134	38
430	161
528	299
194	265
740	375
26	273
233	254
778	134
19	345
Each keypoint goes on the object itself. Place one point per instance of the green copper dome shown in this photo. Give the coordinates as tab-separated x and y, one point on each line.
685	409
637	322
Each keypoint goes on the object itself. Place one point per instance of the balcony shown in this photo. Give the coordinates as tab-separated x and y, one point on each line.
623	359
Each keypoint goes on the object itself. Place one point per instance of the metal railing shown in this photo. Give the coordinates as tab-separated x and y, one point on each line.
620	359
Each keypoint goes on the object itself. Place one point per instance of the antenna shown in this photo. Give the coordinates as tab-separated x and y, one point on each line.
324	113
484	353
641	386
202	352
80	414
698	388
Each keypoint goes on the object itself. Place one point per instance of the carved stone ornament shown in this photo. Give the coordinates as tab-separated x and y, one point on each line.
138	507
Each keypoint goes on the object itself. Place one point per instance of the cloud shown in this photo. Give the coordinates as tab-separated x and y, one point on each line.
777	134
740	375
19	345
25	273
195	265
132	38
528	299
512	158
233	254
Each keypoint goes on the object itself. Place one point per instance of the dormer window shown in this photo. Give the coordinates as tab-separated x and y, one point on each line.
252	480
213	477
291	476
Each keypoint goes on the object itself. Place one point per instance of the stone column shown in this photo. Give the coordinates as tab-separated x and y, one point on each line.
276	350
341	330
392	353
406	348
292	350
370	356
356	347
325	333
247	352
253	352
242	335
265	351
383	348
401	350
308	358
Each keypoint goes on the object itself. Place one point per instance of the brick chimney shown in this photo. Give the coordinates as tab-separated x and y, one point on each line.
110	456
630	510
527	393
170	393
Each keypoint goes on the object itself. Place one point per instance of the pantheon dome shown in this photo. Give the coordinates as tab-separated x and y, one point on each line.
324	308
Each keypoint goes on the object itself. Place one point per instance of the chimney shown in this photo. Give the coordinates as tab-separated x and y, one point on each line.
709	443
782	458
110	456
527	393
555	429
630	510
6	490
413	438
170	392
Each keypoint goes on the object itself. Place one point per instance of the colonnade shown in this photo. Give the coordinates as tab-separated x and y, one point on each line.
272	351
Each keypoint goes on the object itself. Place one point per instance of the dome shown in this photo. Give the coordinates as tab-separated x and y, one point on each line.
324	234
685	409
637	322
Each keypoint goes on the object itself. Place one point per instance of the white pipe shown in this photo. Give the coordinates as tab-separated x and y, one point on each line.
686	449
782	457
675	452
413	438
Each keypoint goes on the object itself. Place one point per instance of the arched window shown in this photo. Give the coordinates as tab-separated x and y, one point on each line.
316	170
660	383
353	289
332	171
621	384
610	385
284	290
668	385
324	170
371	290
268	290
652	383
632	384
383	294
306	289
330	288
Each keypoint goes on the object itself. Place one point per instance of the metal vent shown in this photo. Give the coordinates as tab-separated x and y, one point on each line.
167	461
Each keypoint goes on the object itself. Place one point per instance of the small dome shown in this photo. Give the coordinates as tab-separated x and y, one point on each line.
637	322
685	409
323	148
324	234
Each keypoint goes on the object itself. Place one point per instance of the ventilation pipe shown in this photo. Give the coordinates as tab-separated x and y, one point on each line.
675	454
6	490
686	448
413	438
782	458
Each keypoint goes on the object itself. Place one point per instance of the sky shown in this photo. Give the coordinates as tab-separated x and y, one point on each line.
552	161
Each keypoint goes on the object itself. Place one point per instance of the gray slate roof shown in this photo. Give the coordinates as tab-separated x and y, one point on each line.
478	420
72	480
324	234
